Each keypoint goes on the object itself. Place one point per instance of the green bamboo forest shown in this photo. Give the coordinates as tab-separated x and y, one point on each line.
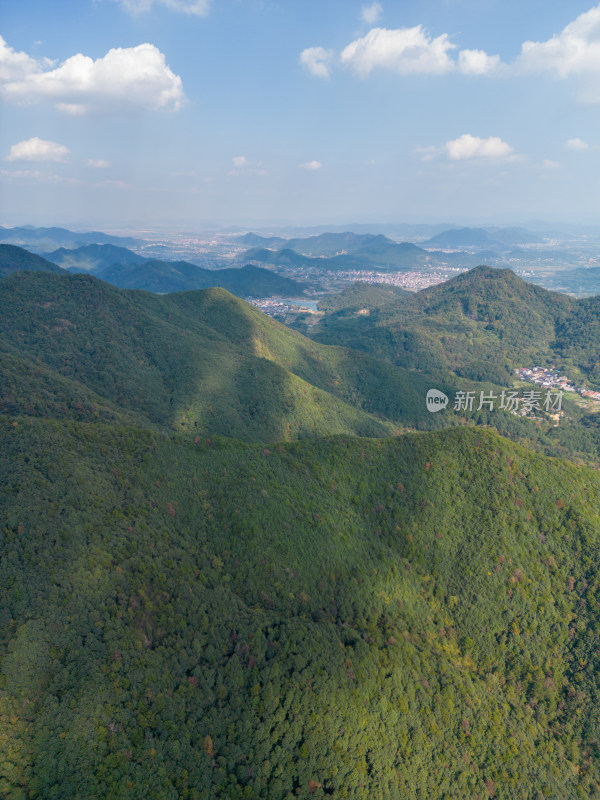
242	561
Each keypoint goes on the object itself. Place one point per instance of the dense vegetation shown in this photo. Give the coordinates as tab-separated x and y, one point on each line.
185	616
201	361
362	296
15	259
479	325
410	618
124	268
180	276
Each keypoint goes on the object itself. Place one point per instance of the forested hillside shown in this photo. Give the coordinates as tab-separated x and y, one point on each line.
188	616
201	361
185	618
479	325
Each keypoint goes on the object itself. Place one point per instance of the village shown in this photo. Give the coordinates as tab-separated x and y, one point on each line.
550	378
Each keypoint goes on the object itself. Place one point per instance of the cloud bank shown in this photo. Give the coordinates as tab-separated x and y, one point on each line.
129	79
37	149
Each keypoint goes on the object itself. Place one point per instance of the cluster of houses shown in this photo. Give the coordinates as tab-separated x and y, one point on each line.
551	379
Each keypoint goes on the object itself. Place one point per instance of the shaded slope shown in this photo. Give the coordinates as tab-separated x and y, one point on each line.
180	276
410	618
93	256
15	259
203	360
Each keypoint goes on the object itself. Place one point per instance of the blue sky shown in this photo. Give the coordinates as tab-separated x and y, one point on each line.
188	112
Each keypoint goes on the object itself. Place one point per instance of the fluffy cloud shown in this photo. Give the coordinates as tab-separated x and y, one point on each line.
575	50
467	146
310	165
98	163
316	60
197	7
125	79
576	144
404	50
370	14
37	149
15	66
240	161
477	62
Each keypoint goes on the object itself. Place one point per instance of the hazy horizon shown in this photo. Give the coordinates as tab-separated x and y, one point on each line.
184	113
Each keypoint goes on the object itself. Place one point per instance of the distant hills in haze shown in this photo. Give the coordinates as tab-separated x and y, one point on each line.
349	250
42	240
483	238
123	268
380	253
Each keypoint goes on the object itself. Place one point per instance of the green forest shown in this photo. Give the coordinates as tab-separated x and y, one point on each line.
237	563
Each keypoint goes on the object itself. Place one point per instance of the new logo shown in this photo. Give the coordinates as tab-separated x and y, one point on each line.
436	400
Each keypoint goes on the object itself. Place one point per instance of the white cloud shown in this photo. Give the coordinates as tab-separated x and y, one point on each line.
37	149
467	146
575	50
199	8
548	163
125	79
407	51
477	62
98	163
370	14
240	161
310	165
316	60
15	66
576	144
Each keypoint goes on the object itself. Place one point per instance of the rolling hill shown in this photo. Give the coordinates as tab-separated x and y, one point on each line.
180	276
127	270
92	257
200	361
412	617
380	253
42	240
15	259
483	238
479	325
184	615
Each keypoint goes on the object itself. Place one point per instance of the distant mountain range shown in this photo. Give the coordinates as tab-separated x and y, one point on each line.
380	254
134	272
40	240
483	238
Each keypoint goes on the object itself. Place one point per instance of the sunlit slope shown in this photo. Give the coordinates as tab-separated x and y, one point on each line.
405	618
478	325
201	360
